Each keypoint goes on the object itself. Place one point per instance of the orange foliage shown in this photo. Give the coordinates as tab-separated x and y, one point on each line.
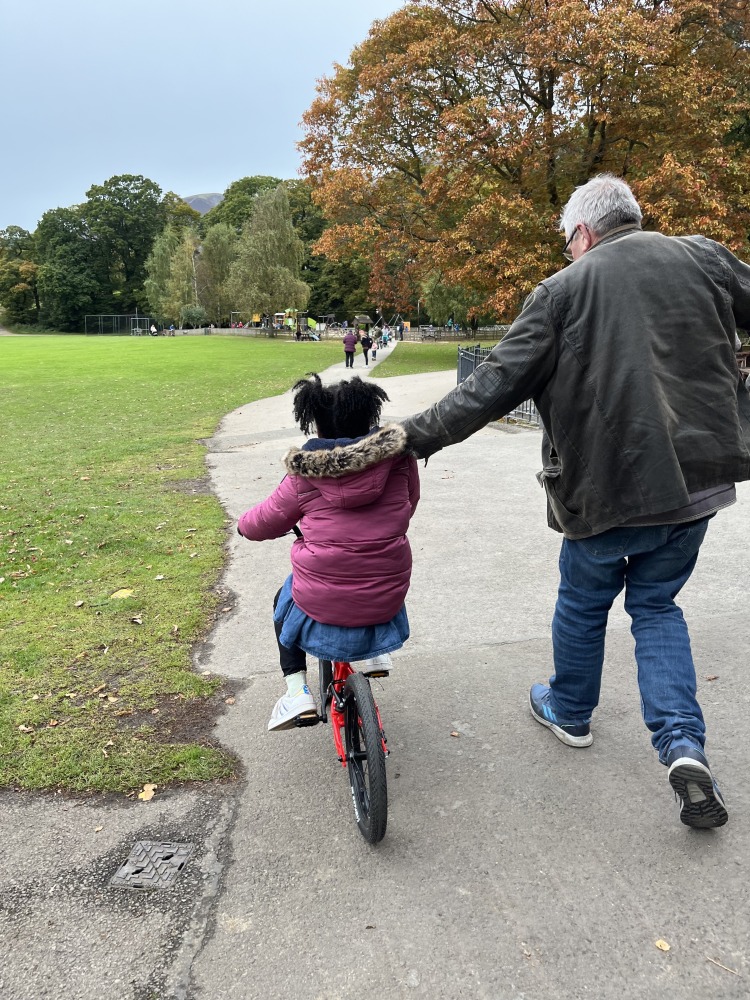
453	137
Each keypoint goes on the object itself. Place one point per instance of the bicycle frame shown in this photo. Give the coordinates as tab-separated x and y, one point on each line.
333	676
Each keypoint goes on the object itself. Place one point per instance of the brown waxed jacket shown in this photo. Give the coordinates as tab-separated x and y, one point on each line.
629	356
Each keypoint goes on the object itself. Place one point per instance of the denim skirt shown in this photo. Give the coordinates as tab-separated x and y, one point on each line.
336	642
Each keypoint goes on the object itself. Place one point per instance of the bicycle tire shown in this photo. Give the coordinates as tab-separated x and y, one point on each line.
365	759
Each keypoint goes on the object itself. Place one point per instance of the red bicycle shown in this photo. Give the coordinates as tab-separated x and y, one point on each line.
360	742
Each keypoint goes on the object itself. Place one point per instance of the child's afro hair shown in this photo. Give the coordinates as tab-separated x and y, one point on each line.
347	409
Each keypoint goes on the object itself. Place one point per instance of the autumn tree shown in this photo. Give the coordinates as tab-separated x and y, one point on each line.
444	151
19	293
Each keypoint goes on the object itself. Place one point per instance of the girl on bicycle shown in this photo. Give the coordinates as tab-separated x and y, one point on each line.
353	489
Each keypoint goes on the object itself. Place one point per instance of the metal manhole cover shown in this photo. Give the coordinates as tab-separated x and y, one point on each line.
152	865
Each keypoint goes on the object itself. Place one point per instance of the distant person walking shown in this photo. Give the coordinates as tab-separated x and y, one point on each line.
366	344
350	345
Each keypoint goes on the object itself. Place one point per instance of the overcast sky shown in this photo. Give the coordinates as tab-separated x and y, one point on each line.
193	95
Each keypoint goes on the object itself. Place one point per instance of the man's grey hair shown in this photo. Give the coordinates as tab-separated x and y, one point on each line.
603	203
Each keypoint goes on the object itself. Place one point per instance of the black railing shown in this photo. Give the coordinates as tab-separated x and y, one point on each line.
470	358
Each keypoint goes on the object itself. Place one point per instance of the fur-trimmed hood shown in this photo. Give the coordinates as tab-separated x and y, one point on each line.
349	472
321	458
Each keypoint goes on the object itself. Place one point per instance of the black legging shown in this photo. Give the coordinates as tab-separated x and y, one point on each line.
292	660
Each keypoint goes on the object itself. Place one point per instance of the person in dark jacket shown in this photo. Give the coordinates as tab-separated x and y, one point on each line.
629	356
366	344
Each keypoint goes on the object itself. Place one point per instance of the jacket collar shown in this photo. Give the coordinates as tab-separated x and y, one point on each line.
346	457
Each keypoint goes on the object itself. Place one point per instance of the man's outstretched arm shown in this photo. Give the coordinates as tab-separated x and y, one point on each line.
515	370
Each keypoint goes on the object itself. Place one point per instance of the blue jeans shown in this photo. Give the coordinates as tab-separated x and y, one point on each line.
652	564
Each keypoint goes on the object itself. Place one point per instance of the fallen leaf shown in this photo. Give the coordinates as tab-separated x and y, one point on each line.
193	555
68	541
25	729
712	677
229	701
159	577
53	722
662	945
79	604
35	697
148	792
111	698
154	711
98	829
119	594
226	609
100	688
137	619
175	629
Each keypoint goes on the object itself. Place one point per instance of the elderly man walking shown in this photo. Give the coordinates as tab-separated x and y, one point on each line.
629	355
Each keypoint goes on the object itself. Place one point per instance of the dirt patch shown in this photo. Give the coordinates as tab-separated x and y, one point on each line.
192	486
184	720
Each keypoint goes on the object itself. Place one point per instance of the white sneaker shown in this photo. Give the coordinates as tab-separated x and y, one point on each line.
376	666
290	708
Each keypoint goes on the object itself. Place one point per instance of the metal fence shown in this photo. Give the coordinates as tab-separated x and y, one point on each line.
469	358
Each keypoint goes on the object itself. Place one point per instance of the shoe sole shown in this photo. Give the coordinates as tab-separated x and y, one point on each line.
566	738
306	718
702	806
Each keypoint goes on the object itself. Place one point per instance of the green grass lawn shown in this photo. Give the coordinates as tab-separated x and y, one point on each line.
411	359
104	490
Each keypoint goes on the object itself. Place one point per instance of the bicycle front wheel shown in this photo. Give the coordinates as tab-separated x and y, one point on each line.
365	759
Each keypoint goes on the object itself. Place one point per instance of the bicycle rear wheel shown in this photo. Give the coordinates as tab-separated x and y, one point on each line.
365	759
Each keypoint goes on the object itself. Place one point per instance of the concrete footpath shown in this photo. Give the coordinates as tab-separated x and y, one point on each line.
513	866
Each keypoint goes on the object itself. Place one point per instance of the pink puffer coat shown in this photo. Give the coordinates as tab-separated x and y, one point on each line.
353	500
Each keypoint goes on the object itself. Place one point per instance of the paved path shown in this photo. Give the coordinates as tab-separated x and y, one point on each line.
513	866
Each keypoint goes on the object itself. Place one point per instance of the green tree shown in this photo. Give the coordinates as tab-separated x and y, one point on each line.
72	269
124	215
181	288
178	214
336	286
238	202
265	275
217	253
159	272
19	294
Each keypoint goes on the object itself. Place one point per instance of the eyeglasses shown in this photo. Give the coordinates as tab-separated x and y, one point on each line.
592	229
565	251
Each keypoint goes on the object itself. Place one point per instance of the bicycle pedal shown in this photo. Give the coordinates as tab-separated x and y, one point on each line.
376	673
306	720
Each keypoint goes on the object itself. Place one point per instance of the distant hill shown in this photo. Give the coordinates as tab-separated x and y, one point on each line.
203	202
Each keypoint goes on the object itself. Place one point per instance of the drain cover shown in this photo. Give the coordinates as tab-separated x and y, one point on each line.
152	865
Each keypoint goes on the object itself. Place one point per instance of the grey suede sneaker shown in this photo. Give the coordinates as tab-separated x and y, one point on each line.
701	804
